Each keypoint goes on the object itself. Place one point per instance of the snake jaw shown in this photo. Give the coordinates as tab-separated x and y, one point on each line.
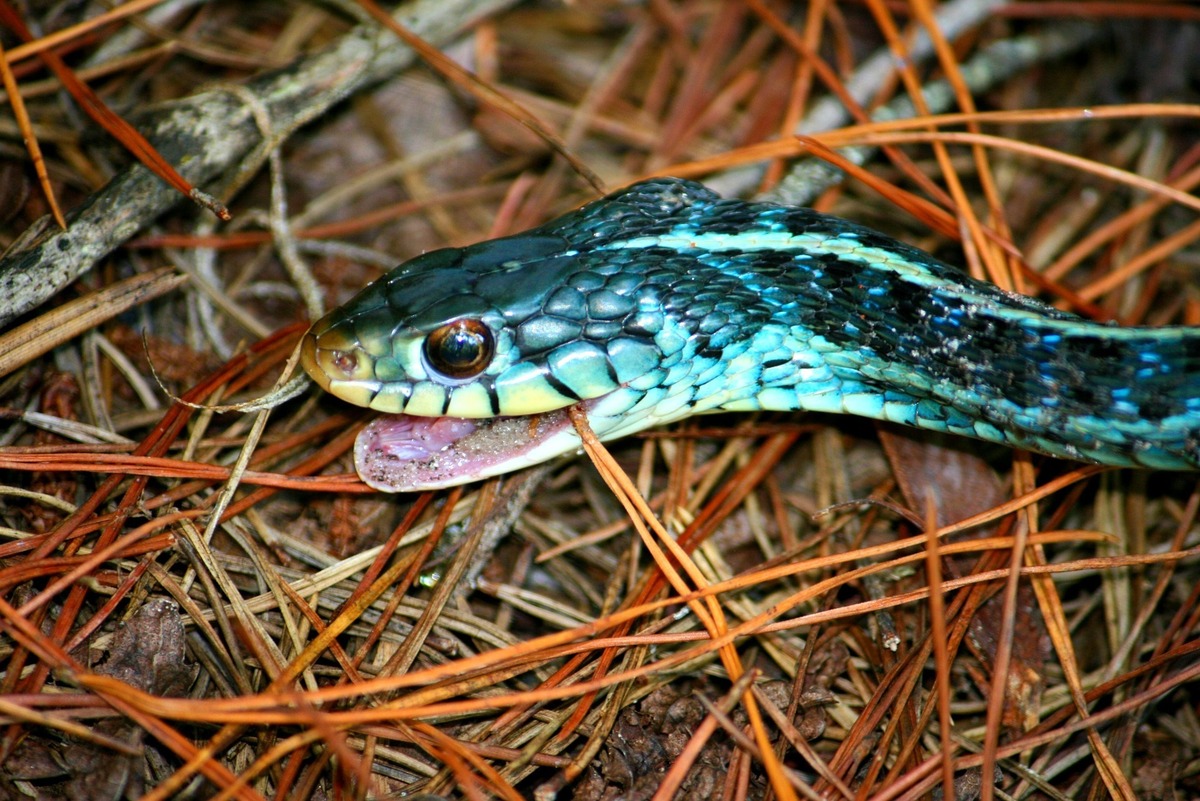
404	453
400	452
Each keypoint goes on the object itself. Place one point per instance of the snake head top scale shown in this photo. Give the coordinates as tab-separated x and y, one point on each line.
664	300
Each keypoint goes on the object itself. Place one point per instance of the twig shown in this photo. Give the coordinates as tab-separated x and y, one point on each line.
209	135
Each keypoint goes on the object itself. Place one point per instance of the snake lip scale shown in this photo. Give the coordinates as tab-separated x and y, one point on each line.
664	300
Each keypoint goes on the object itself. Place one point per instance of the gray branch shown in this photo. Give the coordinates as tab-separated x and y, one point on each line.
210	134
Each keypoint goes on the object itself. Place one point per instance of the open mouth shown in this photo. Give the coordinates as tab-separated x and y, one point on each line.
404	453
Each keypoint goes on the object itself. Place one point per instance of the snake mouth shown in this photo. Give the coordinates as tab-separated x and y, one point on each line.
405	453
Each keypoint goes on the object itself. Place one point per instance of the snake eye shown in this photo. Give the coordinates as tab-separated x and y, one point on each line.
460	350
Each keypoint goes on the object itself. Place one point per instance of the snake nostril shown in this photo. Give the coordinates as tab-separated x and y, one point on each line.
345	361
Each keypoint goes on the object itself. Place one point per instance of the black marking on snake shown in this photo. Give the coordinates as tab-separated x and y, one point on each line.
561	388
493	397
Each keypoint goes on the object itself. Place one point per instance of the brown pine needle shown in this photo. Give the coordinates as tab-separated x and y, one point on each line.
106	118
29	137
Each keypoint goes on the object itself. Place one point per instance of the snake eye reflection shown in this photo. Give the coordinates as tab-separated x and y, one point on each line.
460	350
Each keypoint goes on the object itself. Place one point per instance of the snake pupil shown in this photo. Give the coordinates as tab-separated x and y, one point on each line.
459	350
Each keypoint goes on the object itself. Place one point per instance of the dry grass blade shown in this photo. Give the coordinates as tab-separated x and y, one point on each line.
66	35
26	342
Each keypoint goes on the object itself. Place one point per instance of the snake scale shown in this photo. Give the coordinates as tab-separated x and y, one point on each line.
665	300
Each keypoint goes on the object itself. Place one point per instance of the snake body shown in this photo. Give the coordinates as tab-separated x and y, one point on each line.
665	300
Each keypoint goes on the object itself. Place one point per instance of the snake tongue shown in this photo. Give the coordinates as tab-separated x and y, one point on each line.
403	453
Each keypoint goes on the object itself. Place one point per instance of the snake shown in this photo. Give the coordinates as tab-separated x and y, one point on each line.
665	300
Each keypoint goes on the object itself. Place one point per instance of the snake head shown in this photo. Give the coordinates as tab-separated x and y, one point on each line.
475	354
464	332
406	344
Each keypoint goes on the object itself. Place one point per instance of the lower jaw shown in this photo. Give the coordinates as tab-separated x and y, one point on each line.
401	453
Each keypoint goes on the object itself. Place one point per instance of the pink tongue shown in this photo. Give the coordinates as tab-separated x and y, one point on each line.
410	438
400	453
